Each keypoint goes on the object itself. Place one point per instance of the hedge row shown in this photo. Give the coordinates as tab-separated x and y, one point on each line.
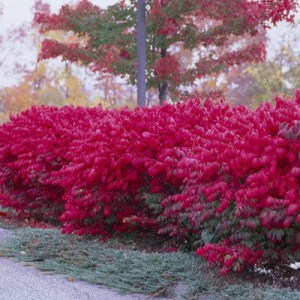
225	177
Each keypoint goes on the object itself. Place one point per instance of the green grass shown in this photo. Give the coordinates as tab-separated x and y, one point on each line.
104	263
115	265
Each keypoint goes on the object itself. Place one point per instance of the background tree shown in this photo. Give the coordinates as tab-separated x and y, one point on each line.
233	84
52	83
252	84
42	86
281	75
237	85
29	91
77	87
110	36
114	93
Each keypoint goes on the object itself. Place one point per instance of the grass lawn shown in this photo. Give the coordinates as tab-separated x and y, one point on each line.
129	265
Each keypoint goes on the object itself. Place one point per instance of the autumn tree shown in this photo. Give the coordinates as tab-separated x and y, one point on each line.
252	84
230	84
16	98
237	84
281	75
110	36
41	87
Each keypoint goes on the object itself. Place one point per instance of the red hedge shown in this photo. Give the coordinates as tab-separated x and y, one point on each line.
224	176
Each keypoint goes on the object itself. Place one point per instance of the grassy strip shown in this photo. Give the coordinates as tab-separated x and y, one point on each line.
103	263
115	265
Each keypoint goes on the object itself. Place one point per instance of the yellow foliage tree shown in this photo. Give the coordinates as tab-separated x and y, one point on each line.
71	87
15	99
38	87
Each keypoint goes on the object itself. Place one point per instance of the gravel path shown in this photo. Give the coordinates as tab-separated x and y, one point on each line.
19	282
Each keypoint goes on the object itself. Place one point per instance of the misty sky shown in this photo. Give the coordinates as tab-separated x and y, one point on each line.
17	11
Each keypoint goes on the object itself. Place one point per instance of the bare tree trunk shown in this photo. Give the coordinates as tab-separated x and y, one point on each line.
163	92
163	86
68	72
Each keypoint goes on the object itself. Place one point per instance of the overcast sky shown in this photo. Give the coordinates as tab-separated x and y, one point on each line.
16	12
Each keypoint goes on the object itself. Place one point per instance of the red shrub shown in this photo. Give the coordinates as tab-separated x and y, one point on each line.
226	177
32	145
243	184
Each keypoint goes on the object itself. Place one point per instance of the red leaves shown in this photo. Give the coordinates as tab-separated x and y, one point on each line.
274	11
230	172
170	27
167	68
50	48
124	54
292	209
230	257
295	172
109	36
71	52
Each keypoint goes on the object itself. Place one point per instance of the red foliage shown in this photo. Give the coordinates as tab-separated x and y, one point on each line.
62	20
124	54
243	181
226	175
40	6
32	145
167	68
110	36
230	257
71	52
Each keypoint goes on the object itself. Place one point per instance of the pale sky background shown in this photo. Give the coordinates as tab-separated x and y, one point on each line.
16	12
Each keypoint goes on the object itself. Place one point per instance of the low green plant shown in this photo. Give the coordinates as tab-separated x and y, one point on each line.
110	263
115	264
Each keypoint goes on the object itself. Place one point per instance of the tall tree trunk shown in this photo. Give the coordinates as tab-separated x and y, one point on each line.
68	73
163	86
163	92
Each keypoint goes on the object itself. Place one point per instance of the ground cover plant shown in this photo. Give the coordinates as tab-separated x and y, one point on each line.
218	179
124	265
